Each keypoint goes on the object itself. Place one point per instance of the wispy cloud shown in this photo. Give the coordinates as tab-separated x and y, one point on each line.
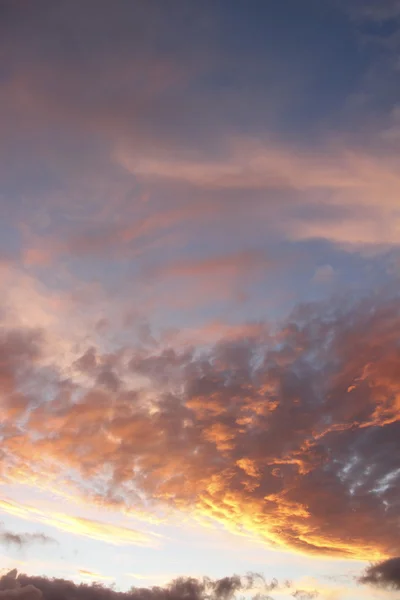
93	575
105	532
21	540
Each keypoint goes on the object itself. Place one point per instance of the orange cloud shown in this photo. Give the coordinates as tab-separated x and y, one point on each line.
105	532
289	436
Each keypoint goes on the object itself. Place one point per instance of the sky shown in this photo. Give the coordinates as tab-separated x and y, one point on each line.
199	299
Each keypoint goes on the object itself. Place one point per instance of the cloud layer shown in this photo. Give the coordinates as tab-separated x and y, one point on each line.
14	585
251	585
172	179
290	434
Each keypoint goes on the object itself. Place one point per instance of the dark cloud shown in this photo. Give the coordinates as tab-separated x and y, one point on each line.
14	585
385	574
20	540
11	588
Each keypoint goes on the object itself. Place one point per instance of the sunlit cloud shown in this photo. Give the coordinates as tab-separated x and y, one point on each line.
86	574
199	277
245	436
80	526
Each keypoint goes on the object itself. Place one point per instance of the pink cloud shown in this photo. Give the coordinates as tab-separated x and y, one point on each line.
270	433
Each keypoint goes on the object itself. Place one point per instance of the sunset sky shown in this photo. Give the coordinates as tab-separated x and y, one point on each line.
200	295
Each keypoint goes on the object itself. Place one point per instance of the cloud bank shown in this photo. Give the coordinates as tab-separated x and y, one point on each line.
14	586
289	434
252	585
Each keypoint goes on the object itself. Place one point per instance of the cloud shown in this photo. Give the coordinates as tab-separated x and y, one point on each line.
324	274
385	574
130	234
121	83
20	540
288	434
214	266
305	595
192	282
212	332
126	105
339	191
324	188
11	589
97	530
93	575
254	164
251	585
14	585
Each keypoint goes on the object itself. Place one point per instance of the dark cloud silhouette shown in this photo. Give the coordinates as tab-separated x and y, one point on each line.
12	589
14	585
385	574
9	538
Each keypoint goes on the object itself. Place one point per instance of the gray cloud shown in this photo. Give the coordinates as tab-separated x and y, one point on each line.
20	540
385	574
14	585
11	588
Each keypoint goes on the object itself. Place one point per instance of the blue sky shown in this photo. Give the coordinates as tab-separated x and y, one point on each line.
199	255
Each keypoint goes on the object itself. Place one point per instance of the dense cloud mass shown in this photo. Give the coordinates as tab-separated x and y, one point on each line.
11	588
385	574
291	434
14	585
25	587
